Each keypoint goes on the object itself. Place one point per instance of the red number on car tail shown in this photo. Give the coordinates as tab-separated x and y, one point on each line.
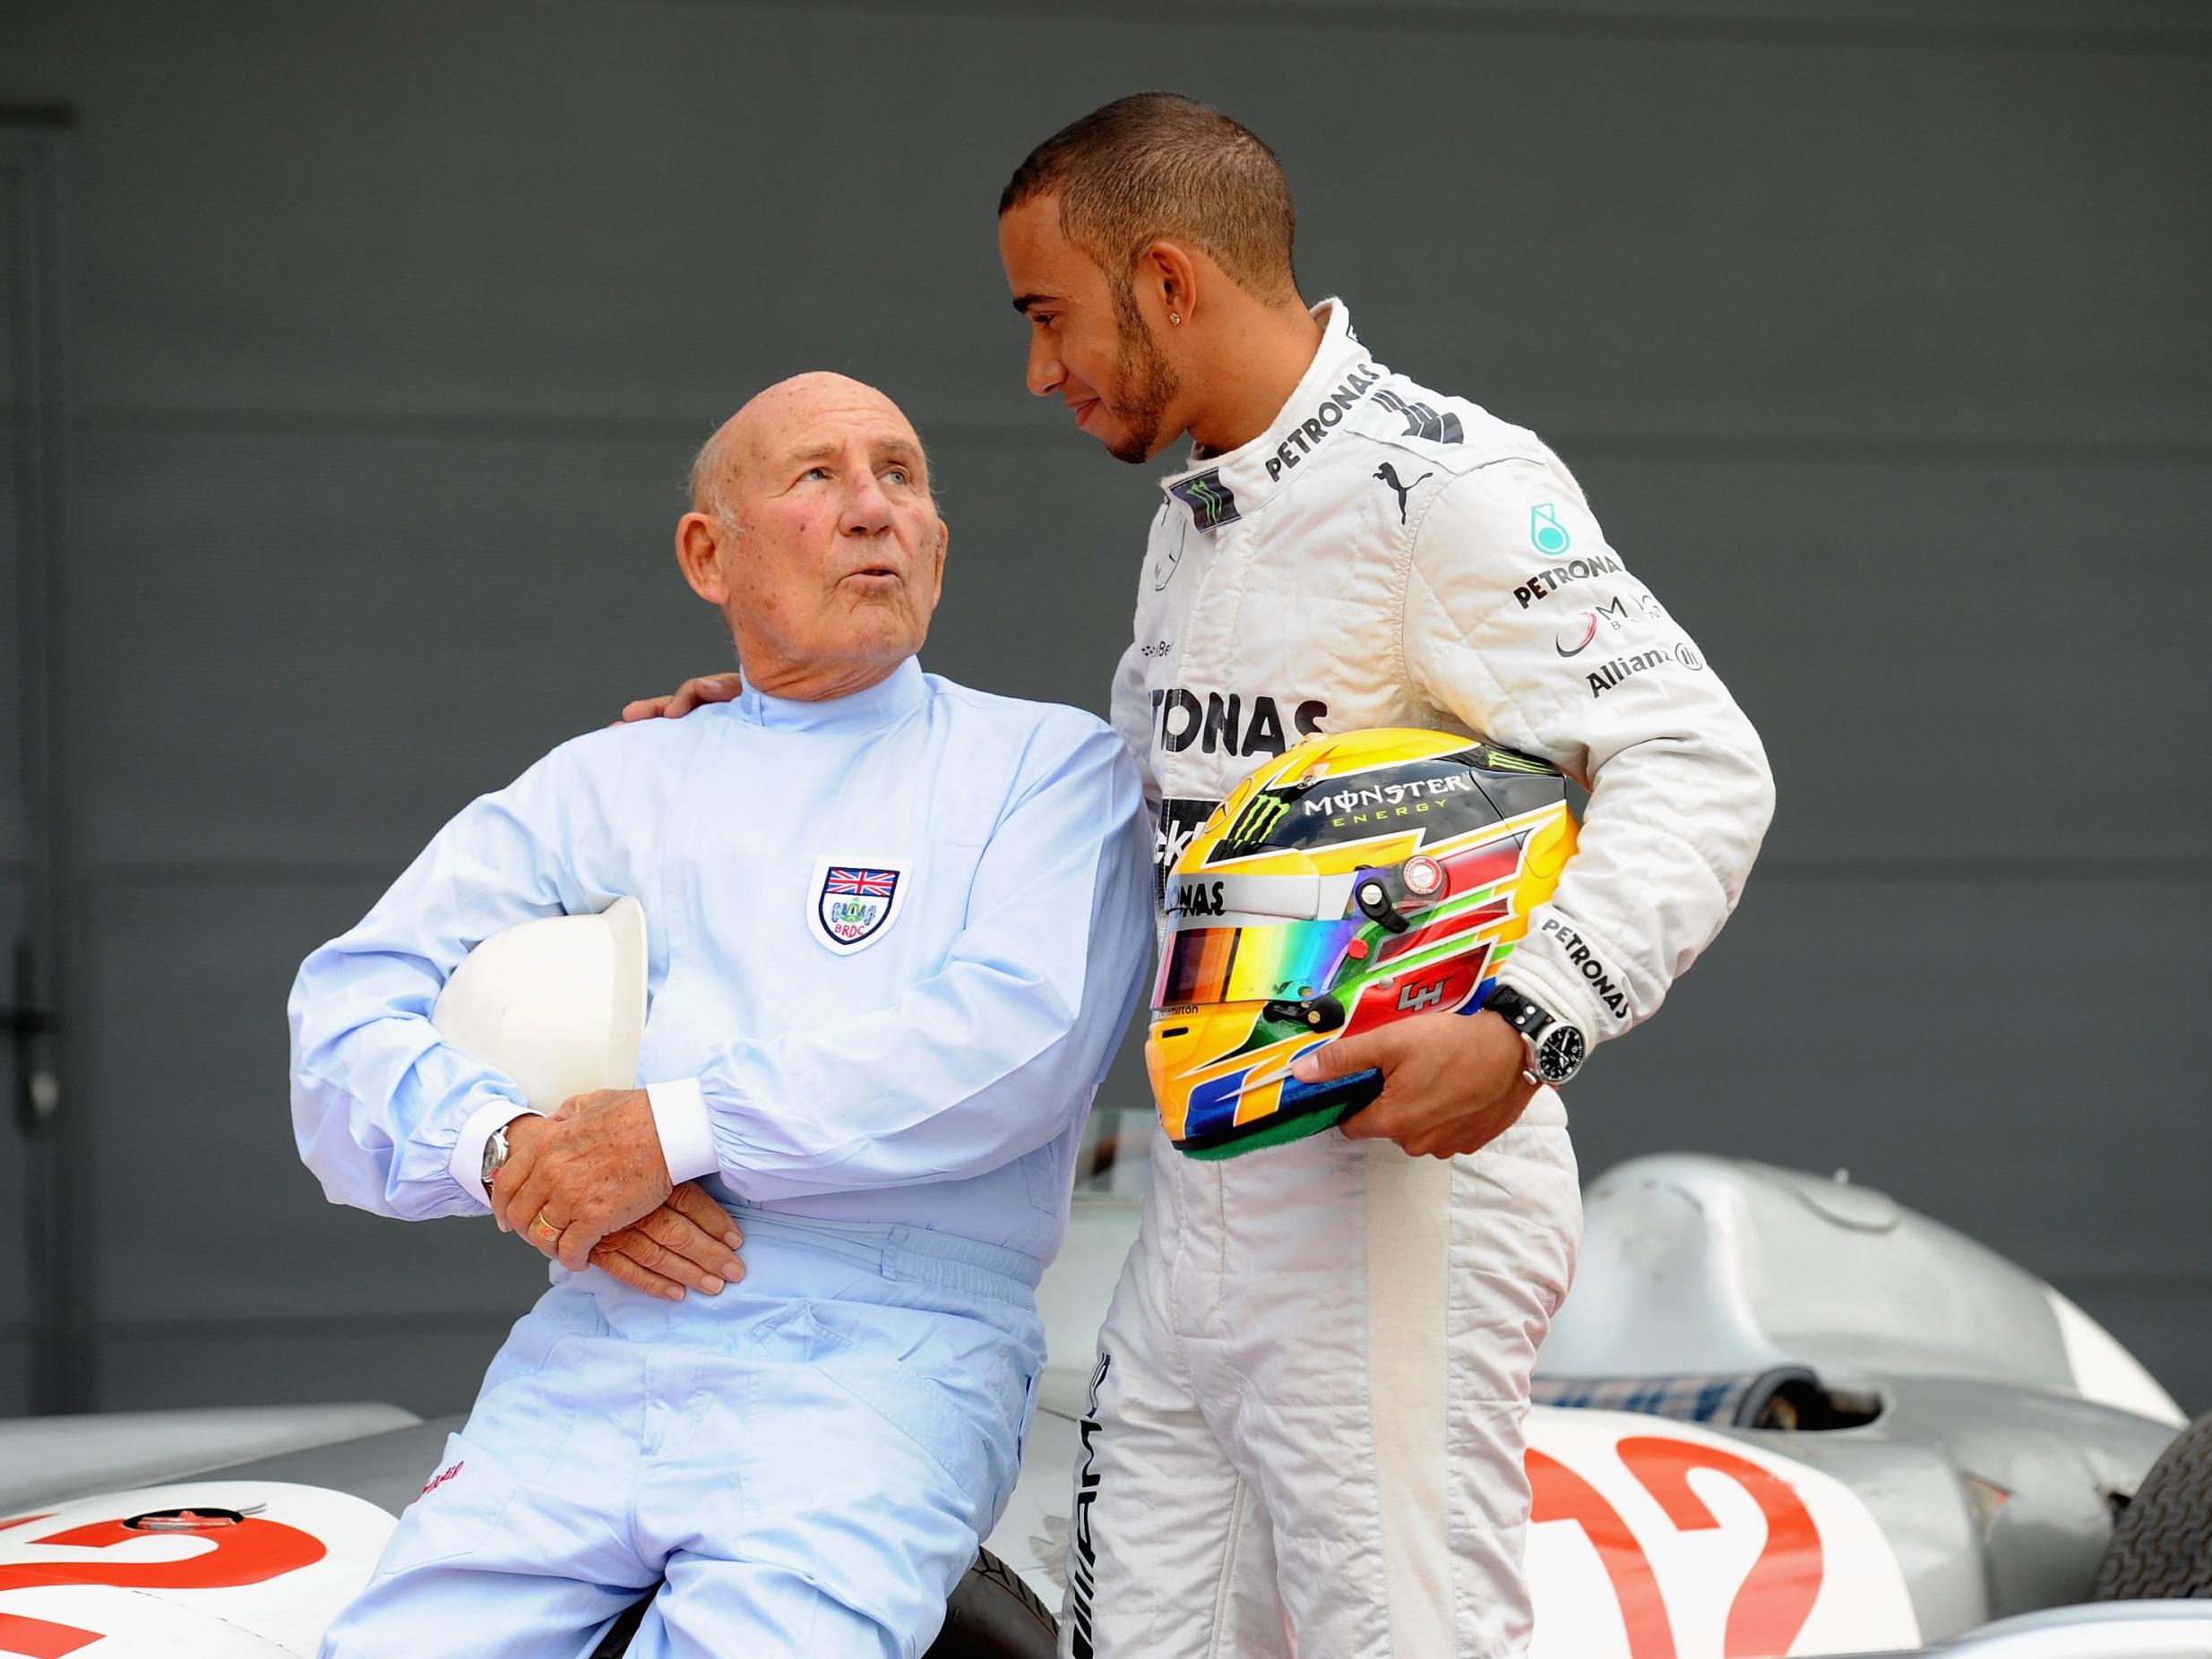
1777	1595
1559	1494
38	1638
250	1552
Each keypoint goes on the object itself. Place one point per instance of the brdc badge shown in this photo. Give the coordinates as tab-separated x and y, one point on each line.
854	903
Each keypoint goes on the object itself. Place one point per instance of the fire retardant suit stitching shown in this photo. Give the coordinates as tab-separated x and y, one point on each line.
1614	739
1411	558
1586	1012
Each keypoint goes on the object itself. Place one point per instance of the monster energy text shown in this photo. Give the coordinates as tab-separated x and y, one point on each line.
1387	795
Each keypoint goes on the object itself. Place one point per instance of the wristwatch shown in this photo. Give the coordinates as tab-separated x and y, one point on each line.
496	1151
1556	1048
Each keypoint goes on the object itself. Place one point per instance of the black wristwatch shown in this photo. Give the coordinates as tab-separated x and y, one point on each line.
1556	1048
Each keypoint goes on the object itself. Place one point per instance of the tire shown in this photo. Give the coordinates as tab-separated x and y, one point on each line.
994	1615
2162	1543
991	1615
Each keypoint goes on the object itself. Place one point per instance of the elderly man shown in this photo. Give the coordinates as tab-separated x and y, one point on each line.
897	926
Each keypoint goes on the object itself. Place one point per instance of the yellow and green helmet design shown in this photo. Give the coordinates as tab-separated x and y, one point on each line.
1355	880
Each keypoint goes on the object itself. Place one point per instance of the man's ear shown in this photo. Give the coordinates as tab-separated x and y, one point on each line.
1167	284
944	541
699	537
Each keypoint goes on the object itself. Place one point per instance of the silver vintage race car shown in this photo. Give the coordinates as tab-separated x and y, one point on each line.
1779	1414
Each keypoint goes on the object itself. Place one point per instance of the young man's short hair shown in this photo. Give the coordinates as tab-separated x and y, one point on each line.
1155	165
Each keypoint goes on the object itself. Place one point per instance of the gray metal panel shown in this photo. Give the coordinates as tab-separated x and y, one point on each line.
1704	230
362	636
356	638
1922	1034
15	1396
15	459
15	205
13	826
429	1369
470	602
190	1120
1973	663
16	1301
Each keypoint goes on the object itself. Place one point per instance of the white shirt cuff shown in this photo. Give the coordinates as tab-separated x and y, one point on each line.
686	1132
467	1165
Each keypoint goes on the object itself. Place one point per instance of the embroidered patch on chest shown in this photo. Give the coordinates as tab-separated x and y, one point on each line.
850	905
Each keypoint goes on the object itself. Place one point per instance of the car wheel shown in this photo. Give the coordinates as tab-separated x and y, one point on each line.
991	1615
2162	1543
994	1615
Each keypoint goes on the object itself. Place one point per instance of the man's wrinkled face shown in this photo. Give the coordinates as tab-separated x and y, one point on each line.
840	557
1089	344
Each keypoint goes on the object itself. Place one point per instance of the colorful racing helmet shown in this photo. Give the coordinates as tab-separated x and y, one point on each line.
1352	881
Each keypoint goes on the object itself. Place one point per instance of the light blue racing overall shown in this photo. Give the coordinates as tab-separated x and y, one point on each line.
894	938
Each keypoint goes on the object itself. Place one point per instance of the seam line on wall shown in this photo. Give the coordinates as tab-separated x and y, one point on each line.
1811	448
1684	27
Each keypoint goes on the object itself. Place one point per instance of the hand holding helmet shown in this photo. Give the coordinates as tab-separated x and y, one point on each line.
559	1005
1449	1086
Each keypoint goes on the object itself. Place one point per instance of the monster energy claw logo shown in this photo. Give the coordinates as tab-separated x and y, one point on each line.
1262	813
1506	760
1212	502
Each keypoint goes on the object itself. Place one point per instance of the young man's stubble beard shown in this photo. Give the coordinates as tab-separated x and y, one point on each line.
1147	381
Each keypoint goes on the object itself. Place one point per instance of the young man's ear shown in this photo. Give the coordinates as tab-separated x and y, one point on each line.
1167	284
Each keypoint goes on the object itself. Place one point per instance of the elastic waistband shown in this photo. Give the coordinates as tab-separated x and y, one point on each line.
920	1254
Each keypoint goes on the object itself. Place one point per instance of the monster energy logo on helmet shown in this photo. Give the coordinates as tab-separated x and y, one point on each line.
1495	759
1212	502
1261	815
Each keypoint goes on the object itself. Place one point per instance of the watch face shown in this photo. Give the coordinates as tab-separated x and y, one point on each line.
1558	1056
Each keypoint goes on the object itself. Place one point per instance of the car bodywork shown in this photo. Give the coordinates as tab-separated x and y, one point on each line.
1786	1416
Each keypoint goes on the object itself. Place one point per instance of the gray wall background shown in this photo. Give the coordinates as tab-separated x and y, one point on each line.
355	355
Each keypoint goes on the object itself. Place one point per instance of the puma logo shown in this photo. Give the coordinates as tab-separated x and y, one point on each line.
1388	475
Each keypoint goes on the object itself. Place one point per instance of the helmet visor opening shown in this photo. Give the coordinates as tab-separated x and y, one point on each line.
1282	960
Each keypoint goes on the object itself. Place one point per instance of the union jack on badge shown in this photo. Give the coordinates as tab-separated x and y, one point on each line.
852	903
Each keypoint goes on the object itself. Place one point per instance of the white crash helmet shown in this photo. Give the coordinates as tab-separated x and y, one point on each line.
558	1004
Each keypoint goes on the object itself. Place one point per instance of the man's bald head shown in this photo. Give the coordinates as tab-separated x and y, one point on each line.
757	432
814	531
